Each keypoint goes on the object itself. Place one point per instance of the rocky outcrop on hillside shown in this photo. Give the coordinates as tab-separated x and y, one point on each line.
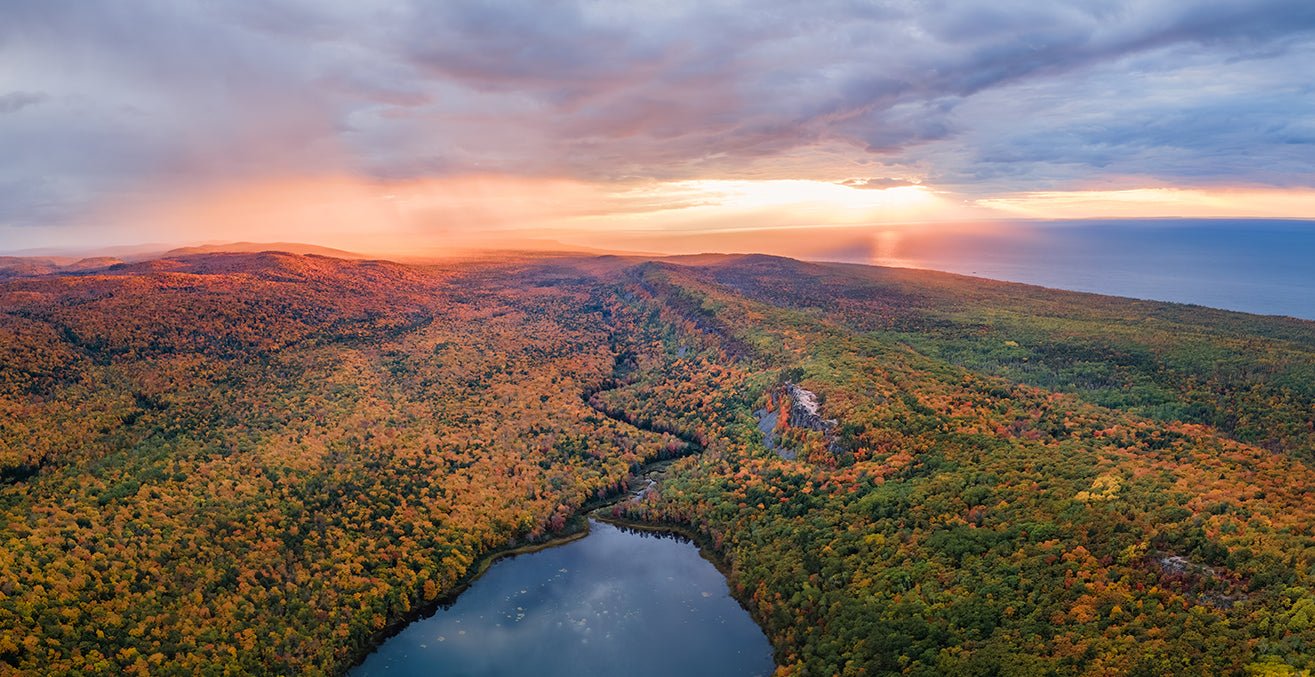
803	411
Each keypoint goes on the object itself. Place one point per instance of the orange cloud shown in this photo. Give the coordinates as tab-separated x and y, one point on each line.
1158	202
490	210
433	215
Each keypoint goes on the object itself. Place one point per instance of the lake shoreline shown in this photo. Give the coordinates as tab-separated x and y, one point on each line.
585	608
707	551
576	529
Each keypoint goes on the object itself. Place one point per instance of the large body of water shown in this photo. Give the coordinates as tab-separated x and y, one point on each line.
616	602
1255	266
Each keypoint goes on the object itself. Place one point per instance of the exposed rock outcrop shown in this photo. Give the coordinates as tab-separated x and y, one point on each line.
804	412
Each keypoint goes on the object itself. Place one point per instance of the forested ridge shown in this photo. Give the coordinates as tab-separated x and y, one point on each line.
235	463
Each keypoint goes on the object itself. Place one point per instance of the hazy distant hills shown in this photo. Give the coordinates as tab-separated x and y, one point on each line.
14	266
48	261
251	247
42	264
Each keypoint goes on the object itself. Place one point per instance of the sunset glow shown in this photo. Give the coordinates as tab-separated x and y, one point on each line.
1158	202
672	337
398	128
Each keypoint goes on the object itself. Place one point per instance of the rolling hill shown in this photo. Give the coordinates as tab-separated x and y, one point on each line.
260	462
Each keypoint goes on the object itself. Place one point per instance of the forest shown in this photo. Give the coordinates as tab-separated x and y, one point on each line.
260	462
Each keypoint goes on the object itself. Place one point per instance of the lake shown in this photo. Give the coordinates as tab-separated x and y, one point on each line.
615	602
1255	266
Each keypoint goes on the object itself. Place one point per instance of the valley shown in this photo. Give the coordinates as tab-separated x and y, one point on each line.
267	462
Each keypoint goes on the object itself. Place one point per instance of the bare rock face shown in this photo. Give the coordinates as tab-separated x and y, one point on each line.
767	419
805	412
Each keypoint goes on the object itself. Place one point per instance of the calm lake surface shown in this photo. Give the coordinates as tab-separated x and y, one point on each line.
614	602
1255	266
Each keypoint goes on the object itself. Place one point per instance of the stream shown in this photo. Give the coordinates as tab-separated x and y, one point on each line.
616	601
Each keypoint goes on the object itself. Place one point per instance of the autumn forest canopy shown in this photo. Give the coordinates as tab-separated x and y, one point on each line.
310	312
236	463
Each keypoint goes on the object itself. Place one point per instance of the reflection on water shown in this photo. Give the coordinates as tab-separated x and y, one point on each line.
1248	265
614	602
1252	265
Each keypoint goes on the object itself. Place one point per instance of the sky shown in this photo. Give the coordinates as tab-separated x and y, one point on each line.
394	125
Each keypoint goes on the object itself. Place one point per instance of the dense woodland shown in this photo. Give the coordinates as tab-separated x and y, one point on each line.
230	463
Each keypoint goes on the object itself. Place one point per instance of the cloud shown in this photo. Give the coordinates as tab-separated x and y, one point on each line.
1155	202
974	96
16	101
36	202
1194	123
878	183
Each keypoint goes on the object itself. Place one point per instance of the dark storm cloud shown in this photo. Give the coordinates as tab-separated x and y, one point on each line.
976	95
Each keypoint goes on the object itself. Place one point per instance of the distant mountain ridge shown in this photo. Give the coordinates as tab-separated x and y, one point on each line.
23	266
256	247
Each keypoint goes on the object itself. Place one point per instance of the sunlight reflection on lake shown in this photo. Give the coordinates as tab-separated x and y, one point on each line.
614	602
1252	266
